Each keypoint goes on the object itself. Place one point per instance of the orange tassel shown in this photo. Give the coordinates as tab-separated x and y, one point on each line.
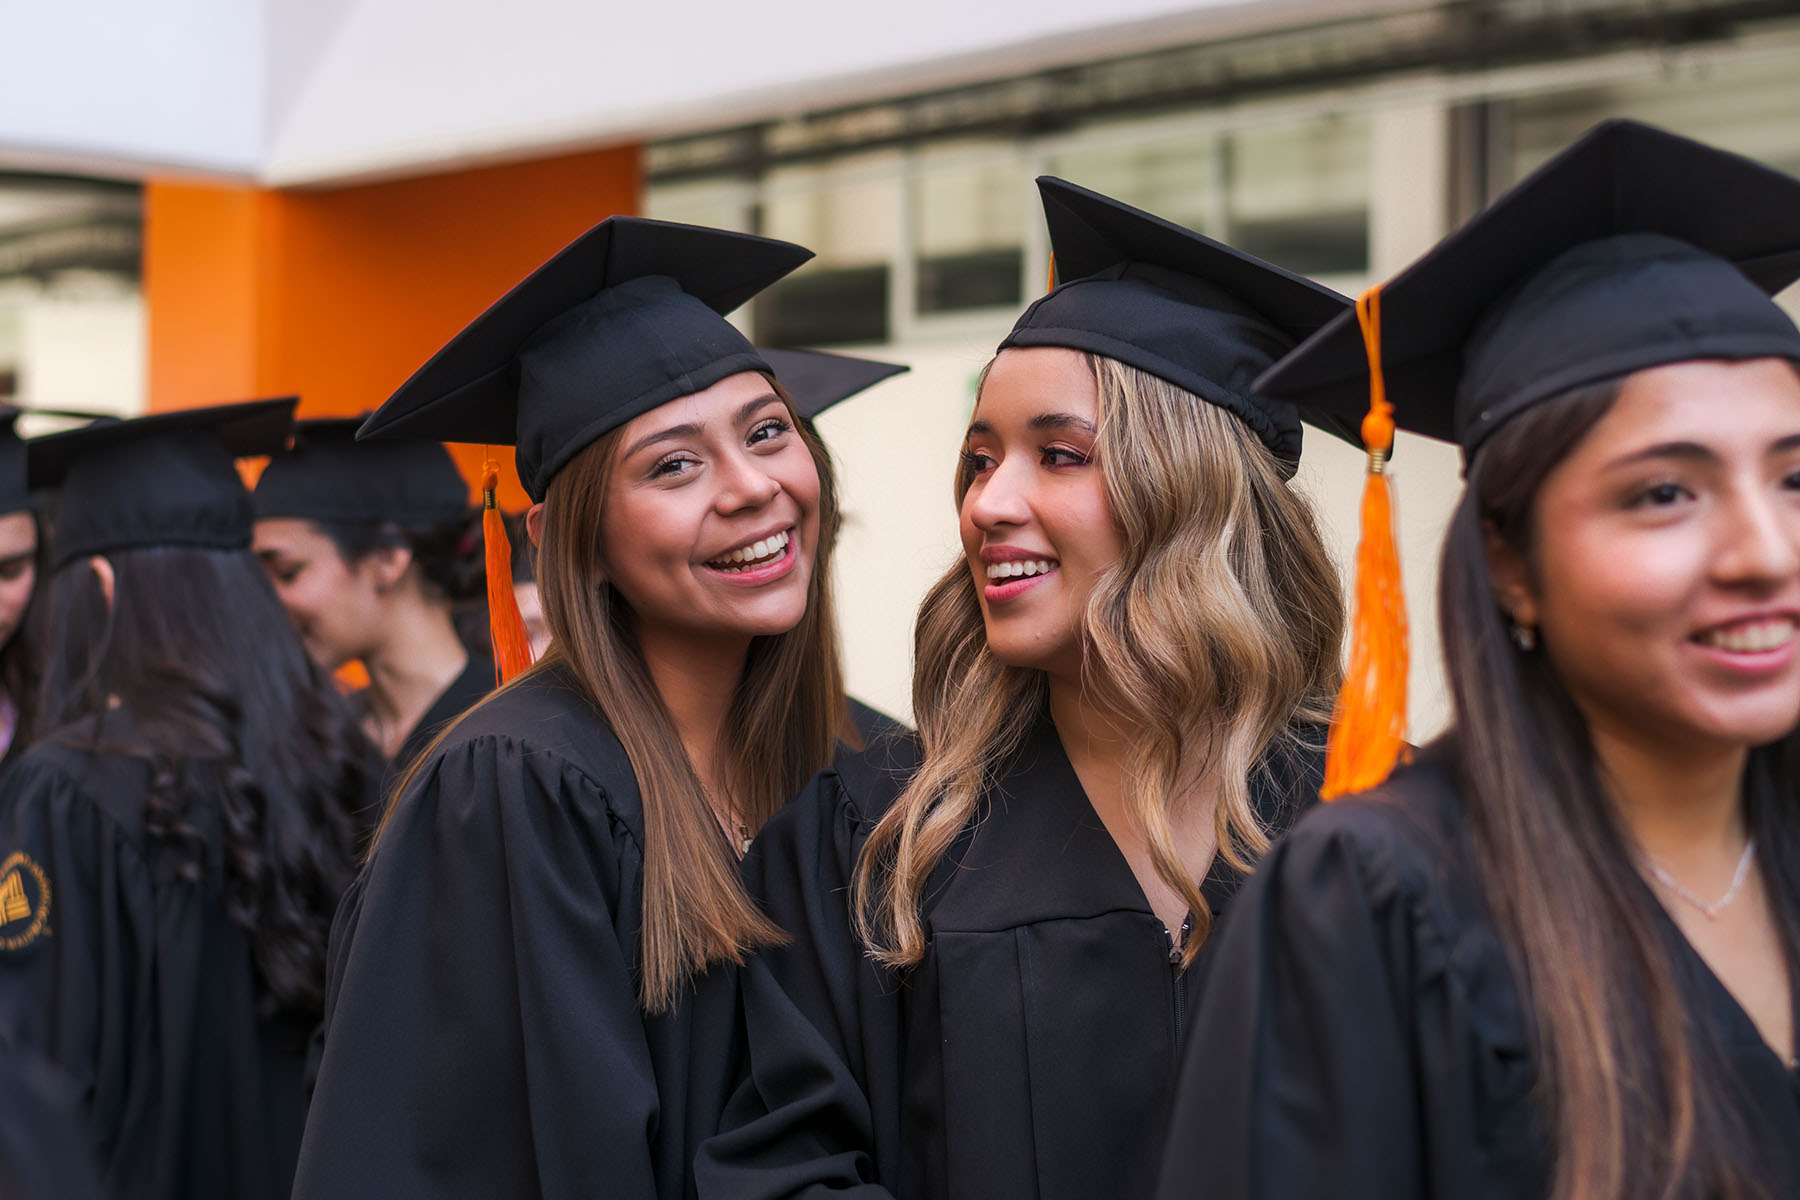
1368	728
512	645
1050	283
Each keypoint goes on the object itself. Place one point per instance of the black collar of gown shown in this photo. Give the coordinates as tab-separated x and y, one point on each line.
1038	851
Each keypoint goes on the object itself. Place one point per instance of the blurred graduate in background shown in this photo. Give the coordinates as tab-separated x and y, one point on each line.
173	844
373	546
23	550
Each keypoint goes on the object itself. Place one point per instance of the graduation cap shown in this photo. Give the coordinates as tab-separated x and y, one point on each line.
15	495
1631	249
169	479
327	475
627	317
1185	308
815	380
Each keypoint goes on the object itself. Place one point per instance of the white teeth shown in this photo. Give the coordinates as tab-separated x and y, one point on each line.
750	556
1752	639
1013	570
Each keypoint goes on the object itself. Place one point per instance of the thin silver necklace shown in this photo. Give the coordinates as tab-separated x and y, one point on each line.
1709	911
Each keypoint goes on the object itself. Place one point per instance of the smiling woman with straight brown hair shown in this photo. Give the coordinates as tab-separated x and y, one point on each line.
532	990
1557	956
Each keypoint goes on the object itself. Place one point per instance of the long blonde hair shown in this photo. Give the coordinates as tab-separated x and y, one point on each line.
1215	633
787	711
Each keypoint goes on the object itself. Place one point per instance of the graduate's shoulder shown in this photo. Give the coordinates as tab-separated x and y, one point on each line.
542	715
540	736
79	769
865	783
844	801
1403	839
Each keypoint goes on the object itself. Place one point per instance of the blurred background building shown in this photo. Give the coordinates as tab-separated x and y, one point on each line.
204	200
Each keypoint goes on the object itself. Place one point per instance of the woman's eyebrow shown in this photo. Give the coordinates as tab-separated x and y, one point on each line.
672	433
690	430
1060	420
1695	452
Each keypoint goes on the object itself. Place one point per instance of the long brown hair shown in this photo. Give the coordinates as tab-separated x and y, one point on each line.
1214	634
787	711
1626	1068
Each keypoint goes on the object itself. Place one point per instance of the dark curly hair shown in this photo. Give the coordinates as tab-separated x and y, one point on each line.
220	700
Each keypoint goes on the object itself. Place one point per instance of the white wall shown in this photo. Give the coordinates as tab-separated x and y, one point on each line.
403	81
895	448
111	86
304	91
84	353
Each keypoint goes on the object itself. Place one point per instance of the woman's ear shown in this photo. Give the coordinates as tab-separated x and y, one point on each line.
102	568
390	564
534	524
1511	577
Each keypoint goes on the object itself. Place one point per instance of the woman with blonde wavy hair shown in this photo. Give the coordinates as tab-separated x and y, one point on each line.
1120	687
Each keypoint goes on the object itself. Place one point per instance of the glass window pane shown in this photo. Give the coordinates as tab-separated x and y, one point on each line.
1169	176
847	212
715	203
1299	194
1753	108
968	227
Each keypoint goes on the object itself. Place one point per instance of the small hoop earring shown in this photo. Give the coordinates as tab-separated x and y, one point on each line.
1524	637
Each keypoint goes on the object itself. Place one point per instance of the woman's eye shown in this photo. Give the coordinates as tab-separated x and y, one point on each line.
975	462
1659	495
773	428
670	467
14	568
1062	456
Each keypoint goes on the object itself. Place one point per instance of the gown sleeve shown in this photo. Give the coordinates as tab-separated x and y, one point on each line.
818	1111
483	1036
77	954
1300	1074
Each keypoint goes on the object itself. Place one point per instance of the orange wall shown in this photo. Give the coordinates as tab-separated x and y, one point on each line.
338	294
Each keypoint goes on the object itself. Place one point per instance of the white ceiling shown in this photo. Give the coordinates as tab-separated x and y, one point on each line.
310	91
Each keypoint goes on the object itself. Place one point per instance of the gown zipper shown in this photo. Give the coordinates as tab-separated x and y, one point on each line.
1177	944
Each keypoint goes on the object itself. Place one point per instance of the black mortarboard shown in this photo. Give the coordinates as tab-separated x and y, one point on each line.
14	495
1174	303
627	317
815	380
327	475
1631	249
164	480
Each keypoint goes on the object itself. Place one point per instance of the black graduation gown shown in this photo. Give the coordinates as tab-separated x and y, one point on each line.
482	1034
45	1150
872	724
138	986
1031	1052
1362	1037
475	681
